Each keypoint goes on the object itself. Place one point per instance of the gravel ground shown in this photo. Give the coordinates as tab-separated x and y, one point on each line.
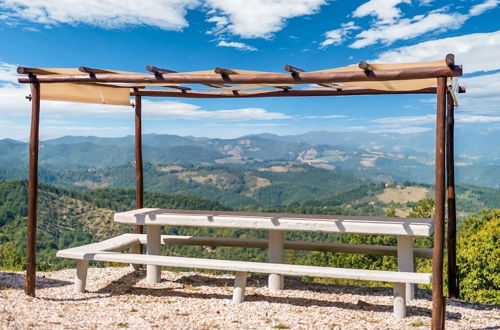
120	298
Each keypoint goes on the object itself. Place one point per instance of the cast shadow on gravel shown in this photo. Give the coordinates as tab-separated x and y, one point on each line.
14	280
188	288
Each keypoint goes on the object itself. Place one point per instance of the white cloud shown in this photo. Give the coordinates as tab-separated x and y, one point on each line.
405	120
337	36
179	110
482	7
476	52
385	10
482	97
390	24
325	117
466	118
244	18
402	130
8	73
408	28
257	18
164	14
237	45
423	123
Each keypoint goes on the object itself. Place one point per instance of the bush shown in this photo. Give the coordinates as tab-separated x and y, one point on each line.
478	257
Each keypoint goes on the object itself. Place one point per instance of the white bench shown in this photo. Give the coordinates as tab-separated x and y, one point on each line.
109	251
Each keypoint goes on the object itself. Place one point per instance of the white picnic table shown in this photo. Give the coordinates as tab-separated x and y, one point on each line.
276	224
405	229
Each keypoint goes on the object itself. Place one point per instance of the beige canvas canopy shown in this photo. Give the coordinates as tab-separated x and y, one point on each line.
115	87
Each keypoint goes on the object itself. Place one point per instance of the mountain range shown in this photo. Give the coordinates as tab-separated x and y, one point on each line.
373	156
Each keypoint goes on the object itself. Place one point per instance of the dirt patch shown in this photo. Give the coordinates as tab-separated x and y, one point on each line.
281	169
170	169
403	195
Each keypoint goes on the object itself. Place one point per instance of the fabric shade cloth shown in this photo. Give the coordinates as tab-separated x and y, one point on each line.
119	94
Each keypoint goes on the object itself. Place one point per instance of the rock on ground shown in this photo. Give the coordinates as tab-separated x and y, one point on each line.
120	298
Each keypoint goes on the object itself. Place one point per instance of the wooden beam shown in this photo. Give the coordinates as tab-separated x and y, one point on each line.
159	71
32	71
30	280
223	71
139	173
294	71
453	285
450	60
92	70
273	93
364	66
438	302
260	78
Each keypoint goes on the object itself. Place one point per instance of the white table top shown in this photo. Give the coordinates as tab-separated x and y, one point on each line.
278	221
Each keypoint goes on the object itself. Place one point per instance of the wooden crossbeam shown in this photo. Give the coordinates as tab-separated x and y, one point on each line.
292	69
257	78
92	70
450	60
159	71
278	93
182	88
296	72
285	88
223	71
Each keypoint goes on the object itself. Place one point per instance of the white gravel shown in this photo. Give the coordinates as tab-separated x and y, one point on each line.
120	298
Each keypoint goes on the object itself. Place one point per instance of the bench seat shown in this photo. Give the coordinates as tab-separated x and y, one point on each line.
109	251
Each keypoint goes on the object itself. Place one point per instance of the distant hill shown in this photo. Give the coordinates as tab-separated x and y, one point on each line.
372	156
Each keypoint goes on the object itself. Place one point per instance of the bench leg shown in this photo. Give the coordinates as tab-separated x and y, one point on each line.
240	282
399	300
81	275
135	249
275	255
153	272
406	261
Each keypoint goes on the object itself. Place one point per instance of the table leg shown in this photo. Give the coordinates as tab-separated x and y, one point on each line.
275	255
153	272
81	275
406	262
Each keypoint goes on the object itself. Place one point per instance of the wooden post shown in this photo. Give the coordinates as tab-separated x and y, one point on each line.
30	280
453	288
438	303
139	174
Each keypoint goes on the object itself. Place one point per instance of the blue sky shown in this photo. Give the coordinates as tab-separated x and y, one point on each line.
189	35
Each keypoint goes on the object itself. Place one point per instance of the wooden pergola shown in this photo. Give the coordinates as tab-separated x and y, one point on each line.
92	85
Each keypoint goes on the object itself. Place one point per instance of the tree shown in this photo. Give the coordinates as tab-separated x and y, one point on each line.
478	257
424	208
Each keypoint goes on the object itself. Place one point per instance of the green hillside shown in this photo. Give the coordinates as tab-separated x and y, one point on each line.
69	218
